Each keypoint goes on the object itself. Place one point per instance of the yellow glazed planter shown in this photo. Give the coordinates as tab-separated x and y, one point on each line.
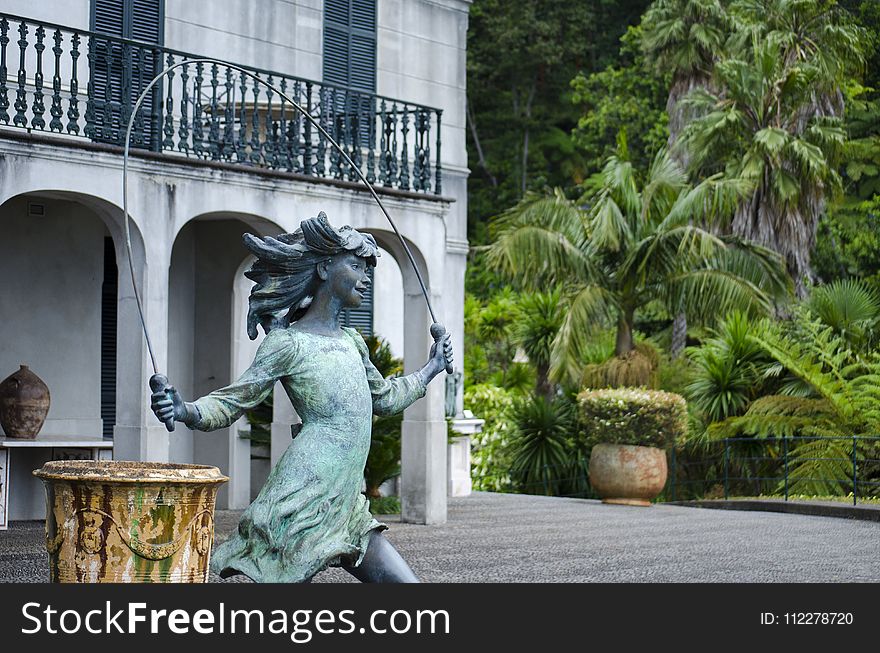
627	474
129	522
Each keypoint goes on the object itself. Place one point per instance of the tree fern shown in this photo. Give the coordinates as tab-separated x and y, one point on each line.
843	401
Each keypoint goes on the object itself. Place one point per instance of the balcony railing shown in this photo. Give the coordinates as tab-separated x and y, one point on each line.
79	84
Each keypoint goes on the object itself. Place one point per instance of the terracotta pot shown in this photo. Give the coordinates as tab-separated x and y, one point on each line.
129	522
627	474
24	404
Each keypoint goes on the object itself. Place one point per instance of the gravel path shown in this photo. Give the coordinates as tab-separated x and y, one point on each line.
516	538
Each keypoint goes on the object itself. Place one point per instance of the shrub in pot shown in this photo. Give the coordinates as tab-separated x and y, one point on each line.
630	429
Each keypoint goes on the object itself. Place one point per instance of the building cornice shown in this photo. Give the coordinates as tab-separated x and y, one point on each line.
196	165
457	247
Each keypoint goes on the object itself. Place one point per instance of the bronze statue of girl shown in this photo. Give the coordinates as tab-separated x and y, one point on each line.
310	514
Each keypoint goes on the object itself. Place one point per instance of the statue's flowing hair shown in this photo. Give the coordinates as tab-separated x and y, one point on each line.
285	274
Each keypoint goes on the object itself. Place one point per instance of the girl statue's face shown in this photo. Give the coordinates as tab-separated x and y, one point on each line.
347	279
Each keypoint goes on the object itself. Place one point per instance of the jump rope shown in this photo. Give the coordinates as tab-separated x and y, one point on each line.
159	382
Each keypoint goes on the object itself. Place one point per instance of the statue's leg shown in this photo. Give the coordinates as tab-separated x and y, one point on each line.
382	564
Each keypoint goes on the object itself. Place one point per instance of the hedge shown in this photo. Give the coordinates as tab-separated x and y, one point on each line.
637	416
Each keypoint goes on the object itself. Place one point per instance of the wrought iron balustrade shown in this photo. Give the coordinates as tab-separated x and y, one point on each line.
80	84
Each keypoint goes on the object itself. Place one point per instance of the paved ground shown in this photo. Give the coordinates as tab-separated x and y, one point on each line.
517	538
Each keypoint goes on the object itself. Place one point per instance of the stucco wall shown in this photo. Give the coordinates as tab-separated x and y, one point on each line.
388	302
181	325
281	35
71	13
421	58
44	262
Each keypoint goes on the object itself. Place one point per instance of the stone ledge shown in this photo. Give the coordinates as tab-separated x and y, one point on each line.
73	143
864	512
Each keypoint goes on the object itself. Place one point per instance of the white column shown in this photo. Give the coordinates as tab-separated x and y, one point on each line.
138	435
423	447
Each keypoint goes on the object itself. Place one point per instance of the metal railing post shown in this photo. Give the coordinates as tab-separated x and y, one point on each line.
785	462
156	108
726	465
855	474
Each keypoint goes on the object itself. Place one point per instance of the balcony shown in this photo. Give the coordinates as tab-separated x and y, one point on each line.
76	85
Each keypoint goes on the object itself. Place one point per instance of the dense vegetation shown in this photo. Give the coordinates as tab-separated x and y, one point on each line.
680	195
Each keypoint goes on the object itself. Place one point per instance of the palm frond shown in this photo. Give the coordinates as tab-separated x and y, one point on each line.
851	308
536	256
609	228
712	201
589	304
707	292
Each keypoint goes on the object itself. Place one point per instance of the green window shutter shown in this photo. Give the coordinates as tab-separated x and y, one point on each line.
109	289
350	43
140	20
108	17
350	60
114	70
146	21
361	318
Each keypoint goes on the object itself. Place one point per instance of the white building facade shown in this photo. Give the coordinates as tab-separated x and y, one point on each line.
215	155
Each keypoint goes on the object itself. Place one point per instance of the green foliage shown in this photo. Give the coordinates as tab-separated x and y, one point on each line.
539	320
540	316
633	242
382	357
508	324
519	378
684	36
851	308
488	335
625	97
385	505
489	453
538	445
682	39
521	58
728	370
674	375
650	418
774	119
259	419
848	242
843	389
843	400
862	167
383	459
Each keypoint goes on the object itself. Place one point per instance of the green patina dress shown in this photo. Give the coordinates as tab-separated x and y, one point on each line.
311	513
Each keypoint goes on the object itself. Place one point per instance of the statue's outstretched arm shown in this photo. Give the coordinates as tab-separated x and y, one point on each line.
274	359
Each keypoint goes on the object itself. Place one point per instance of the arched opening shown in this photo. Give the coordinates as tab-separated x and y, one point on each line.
207	344
64	299
423	432
388	302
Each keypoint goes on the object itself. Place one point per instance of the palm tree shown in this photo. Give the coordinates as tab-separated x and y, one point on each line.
775	121
540	317
729	370
684	37
629	244
852	308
